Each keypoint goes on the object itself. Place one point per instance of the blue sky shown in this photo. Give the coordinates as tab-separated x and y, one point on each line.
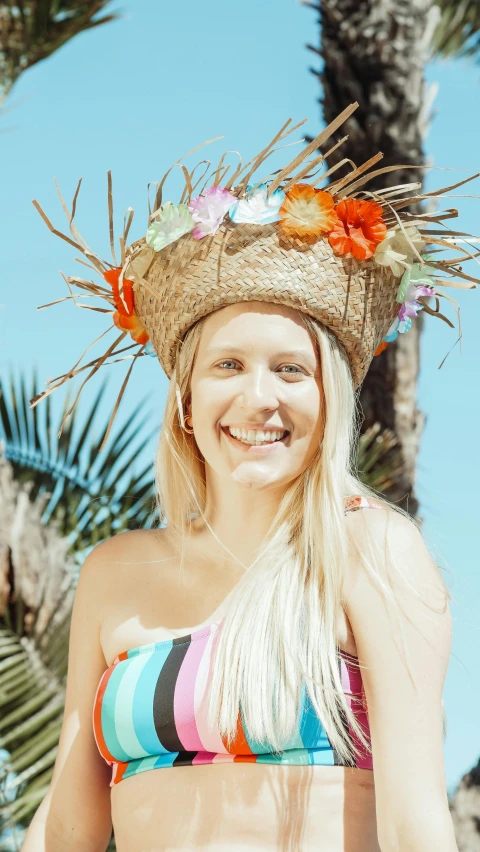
134	95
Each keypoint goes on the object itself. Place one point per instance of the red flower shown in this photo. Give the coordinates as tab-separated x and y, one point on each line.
358	229
125	317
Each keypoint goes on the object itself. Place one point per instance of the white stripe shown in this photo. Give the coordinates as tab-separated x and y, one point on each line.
124	707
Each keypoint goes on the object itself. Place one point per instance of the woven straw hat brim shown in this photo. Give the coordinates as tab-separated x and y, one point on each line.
190	278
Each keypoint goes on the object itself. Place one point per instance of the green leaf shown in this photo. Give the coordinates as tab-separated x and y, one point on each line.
83	489
458	32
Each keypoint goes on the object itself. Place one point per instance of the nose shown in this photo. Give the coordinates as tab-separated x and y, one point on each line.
259	390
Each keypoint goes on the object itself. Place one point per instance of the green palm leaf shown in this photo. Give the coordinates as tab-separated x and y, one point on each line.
31	30
458	32
379	460
91	495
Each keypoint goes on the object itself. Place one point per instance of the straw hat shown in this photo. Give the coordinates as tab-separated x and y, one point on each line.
355	260
249	262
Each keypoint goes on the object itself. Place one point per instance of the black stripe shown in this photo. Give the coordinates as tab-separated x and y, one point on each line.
163	716
185	758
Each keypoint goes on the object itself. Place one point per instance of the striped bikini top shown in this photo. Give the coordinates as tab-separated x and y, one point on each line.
150	709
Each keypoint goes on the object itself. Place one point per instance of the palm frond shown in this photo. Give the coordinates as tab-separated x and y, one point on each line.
379	460
37	588
31	30
458	32
90	497
31	711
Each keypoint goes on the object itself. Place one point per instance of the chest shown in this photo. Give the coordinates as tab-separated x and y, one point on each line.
158	600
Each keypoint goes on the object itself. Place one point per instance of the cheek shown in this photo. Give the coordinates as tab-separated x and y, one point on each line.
209	403
307	409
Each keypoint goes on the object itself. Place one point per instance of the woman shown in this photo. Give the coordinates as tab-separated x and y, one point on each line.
282	653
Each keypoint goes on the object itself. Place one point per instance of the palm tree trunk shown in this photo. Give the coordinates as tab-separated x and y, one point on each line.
375	53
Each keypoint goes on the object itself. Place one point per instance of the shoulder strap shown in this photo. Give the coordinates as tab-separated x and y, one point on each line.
359	502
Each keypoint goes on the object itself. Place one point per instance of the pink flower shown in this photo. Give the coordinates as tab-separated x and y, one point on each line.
209	210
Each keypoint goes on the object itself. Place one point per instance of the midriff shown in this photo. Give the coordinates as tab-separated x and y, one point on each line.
246	806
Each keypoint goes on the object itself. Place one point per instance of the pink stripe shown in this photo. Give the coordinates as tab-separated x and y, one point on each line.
203	757
350	675
211	739
224	758
183	700
353	687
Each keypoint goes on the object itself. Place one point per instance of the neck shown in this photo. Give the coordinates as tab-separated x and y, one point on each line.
238	520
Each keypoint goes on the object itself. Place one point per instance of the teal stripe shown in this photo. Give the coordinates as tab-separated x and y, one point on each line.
265	747
124	707
142	705
310	732
146	649
297	756
321	757
108	713
140	765
311	729
166	759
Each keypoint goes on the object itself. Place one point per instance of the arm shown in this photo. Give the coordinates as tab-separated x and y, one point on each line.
75	813
405	712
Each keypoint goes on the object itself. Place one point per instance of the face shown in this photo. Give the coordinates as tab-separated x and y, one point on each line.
256	370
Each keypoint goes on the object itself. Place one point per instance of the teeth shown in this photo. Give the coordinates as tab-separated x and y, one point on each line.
251	436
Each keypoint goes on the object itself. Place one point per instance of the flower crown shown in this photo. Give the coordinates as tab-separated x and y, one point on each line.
353	227
367	226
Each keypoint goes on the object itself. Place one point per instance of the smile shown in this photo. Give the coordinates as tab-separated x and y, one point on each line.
255	449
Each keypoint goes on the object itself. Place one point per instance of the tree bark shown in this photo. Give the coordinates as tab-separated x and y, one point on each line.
375	52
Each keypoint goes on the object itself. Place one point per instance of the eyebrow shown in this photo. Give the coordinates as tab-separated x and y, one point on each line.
288	353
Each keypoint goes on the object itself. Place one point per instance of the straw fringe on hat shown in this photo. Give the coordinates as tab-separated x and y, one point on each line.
346	256
248	262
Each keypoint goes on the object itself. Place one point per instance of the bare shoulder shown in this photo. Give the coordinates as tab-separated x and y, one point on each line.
397	543
126	548
401	569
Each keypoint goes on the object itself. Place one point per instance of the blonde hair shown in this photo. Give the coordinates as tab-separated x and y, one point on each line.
280	628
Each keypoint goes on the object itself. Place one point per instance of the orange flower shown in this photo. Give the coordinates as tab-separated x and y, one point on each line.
125	317
131	324
307	212
358	229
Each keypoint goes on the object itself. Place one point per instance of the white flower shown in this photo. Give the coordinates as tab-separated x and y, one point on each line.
256	208
396	252
171	222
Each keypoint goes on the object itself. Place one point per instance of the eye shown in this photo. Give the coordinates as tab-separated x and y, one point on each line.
227	361
298	370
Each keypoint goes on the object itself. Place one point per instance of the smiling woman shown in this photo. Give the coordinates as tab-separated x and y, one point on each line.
279	649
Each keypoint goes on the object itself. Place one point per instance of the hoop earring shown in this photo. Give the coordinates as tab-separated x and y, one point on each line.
188	431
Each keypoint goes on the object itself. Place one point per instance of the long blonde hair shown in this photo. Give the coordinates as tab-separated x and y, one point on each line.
279	634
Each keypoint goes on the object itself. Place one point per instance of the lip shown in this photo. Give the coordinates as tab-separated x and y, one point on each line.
250	448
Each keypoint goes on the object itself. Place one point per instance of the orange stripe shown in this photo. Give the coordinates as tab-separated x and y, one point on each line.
97	717
239	746
118	772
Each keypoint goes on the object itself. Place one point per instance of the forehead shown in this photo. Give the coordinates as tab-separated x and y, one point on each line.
254	323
